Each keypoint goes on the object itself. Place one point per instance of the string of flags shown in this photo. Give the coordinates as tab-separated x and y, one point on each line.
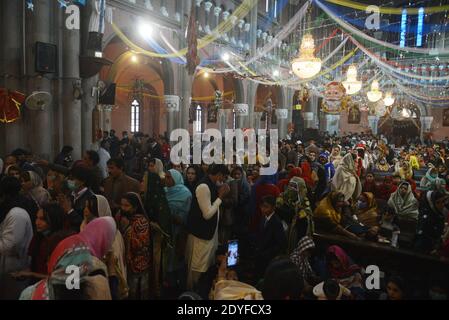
62	3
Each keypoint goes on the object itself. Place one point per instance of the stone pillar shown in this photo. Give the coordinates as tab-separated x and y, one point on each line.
332	123
106	116
282	117
310	113
241	113
426	125
171	104
372	122
222	120
39	122
71	78
257	116
11	136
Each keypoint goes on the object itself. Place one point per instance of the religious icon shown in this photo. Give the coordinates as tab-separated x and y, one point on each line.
354	115
212	113
333	97
446	118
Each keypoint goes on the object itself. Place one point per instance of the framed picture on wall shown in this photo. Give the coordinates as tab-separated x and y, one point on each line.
446	117
354	115
212	113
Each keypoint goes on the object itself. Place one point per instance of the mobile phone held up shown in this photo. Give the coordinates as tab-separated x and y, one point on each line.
233	253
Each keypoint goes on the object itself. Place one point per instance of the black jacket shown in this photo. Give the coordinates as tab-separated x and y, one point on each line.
74	219
196	224
272	240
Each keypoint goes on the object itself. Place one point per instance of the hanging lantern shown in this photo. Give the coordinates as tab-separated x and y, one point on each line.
375	94
389	99
306	65
352	85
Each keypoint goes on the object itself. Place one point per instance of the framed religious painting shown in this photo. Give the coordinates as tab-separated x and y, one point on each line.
354	115
212	113
446	117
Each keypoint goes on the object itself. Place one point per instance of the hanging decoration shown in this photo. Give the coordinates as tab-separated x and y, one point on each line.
388	100
352	85
375	94
334	98
306	65
30	5
192	43
10	102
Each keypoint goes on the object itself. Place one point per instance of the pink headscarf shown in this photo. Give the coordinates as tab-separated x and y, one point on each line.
348	268
99	235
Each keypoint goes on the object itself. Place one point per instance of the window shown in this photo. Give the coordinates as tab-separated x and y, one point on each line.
135	116
420	27
275	9
267	5
199	121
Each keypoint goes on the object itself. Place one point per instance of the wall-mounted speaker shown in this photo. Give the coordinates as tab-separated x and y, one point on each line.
46	57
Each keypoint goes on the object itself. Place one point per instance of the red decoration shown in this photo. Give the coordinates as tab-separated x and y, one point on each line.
10	102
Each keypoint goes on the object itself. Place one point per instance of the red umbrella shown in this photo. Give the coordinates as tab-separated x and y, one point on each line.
10	102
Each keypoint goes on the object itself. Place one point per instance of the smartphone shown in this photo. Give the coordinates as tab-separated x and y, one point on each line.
233	253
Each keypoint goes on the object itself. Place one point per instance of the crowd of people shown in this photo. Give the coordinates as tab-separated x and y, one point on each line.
140	227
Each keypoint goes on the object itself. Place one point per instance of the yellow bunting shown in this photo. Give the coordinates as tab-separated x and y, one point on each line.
223	27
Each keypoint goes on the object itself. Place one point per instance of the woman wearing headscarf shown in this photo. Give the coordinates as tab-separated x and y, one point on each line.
240	194
135	228
307	172
341	268
82	252
329	216
98	206
155	166
367	210
294	208
431	181
192	177
294	172
382	165
33	189
370	184
386	188
301	258
431	220
346	180
405	171
156	206
404	202
179	200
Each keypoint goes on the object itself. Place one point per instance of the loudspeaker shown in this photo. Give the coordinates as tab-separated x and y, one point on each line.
108	97
46	57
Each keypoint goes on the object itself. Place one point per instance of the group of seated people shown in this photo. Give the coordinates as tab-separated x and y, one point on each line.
155	238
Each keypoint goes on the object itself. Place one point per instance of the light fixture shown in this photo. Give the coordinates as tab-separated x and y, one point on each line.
406	113
389	99
134	58
306	65
98	54
375	94
276	73
145	29
206	74
352	85
225	56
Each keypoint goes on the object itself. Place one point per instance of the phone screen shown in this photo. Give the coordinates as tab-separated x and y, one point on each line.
233	253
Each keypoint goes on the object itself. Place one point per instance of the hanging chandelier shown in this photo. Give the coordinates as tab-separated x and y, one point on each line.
375	94
352	85
306	65
389	99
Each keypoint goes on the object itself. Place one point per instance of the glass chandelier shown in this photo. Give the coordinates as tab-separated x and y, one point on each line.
306	65
375	94
352	85
389	99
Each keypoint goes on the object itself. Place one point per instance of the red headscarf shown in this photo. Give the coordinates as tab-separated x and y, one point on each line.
348	268
295	172
307	174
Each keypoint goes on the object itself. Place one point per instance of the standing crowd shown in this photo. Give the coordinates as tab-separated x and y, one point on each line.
137	226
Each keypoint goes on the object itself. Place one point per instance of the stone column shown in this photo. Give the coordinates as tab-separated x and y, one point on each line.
171	104
222	120
11	137
373	120
310	114
426	125
71	79
106	117
282	117
39	122
332	123
241	113
257	116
